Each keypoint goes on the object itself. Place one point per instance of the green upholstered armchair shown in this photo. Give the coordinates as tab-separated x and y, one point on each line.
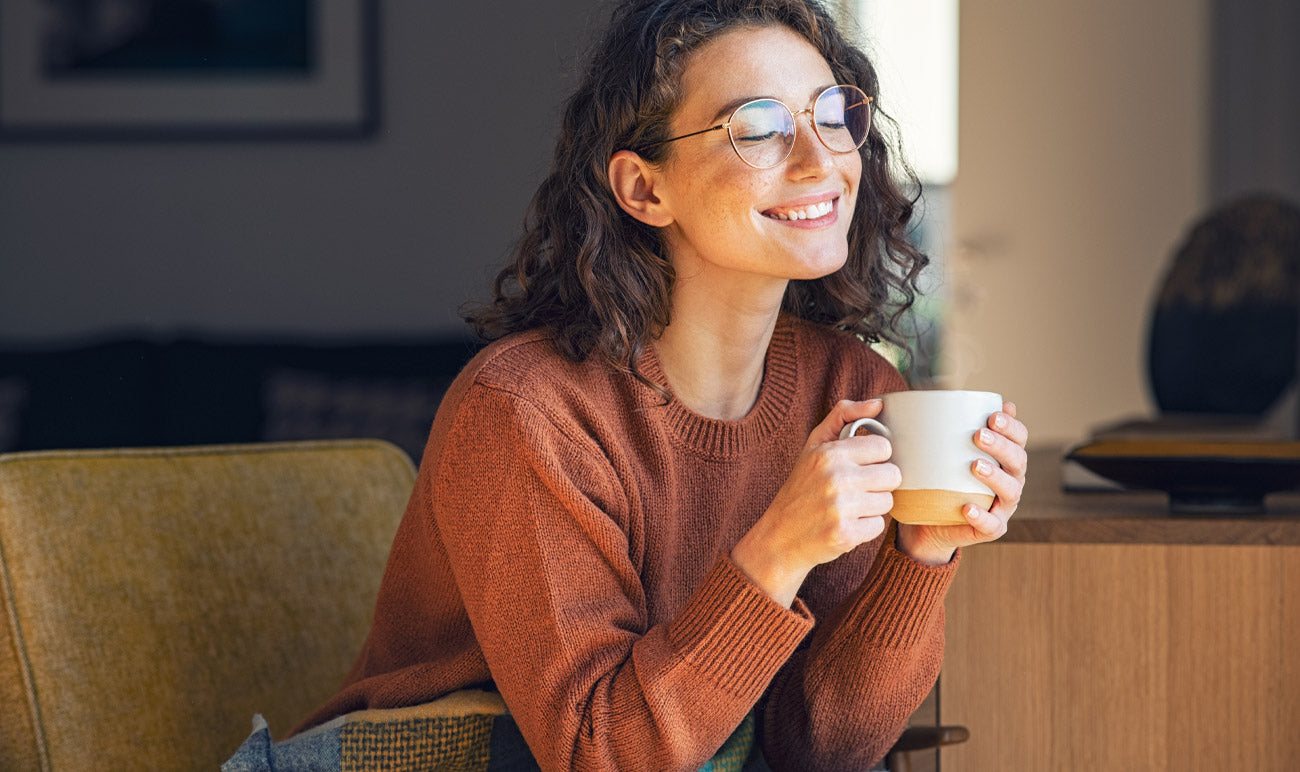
154	600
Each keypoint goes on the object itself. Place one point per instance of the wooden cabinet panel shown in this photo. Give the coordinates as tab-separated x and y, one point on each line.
1124	656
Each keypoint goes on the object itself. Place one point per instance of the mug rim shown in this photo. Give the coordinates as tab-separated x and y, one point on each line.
954	392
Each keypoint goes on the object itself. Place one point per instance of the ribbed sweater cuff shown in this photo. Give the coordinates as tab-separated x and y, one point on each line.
897	603
735	634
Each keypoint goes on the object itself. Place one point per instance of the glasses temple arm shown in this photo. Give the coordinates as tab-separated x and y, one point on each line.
684	136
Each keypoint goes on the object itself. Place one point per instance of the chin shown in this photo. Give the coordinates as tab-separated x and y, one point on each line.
820	269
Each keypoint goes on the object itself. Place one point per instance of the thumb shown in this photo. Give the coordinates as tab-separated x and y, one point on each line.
844	413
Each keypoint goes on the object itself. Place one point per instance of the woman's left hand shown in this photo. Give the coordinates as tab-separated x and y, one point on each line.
1004	440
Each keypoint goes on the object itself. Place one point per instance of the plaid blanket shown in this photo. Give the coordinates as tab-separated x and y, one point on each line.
467	731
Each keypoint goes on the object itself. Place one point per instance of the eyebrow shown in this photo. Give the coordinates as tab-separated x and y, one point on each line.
730	107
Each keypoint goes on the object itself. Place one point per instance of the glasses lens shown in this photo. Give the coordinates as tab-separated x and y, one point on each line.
842	116
762	132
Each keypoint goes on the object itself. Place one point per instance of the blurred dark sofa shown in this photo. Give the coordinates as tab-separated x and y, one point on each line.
133	391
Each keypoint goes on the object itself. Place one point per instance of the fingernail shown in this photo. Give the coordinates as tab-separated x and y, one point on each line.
983	468
970	512
1000	421
986	437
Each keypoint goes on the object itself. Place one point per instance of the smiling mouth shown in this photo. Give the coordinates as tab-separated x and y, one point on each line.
810	212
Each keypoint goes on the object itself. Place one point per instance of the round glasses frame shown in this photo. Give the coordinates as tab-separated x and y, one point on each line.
855	97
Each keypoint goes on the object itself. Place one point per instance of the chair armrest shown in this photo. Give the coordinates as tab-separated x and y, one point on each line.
919	738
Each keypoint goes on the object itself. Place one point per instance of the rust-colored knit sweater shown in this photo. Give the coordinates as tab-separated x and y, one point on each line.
568	540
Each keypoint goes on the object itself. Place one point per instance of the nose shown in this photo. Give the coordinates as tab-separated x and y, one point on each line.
809	156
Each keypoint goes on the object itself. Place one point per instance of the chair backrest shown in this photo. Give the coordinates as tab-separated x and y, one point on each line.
156	599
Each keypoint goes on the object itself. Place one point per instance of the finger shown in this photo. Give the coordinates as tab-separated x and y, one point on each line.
864	449
1006	424
863	496
1006	489
882	477
986	525
842	414
867	527
869	505
1010	455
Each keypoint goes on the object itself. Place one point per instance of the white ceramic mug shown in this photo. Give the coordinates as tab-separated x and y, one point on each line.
932	433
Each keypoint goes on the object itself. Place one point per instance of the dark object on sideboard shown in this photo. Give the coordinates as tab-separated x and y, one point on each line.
1224	334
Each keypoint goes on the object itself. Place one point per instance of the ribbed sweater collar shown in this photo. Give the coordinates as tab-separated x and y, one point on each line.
719	439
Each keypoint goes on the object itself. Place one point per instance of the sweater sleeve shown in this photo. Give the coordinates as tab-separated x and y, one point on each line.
844	697
533	517
842	700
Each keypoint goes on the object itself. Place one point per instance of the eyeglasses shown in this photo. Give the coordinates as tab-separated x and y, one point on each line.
762	131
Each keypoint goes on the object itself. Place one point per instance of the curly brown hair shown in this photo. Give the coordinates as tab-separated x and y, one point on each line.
600	279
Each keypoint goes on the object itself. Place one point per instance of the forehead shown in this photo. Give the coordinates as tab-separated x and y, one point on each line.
753	62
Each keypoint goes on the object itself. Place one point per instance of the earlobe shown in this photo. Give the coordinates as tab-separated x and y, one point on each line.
633	182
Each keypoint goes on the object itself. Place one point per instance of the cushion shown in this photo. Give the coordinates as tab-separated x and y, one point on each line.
465	731
233	391
304	405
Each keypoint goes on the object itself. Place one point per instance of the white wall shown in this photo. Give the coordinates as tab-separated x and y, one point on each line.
377	236
1083	140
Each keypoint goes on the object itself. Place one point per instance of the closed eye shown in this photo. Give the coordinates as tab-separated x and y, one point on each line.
755	137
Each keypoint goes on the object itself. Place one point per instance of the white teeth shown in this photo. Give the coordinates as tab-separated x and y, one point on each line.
807	213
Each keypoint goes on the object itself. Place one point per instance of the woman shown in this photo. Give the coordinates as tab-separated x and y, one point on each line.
633	517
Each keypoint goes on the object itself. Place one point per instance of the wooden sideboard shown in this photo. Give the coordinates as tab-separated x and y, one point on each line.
1103	633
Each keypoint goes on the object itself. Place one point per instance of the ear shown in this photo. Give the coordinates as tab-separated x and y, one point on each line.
633	182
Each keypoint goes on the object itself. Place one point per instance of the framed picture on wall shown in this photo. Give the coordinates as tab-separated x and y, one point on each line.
211	69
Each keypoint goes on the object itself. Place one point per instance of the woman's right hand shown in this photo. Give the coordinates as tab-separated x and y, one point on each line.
835	499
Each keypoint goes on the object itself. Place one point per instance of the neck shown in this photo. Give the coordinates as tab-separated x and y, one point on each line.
713	352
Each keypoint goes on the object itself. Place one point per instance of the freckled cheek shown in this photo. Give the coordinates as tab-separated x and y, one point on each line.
730	196
854	175
732	210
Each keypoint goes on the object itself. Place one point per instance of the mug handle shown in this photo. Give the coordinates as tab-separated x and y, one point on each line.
874	426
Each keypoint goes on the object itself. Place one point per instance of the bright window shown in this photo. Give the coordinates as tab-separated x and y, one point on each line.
914	46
